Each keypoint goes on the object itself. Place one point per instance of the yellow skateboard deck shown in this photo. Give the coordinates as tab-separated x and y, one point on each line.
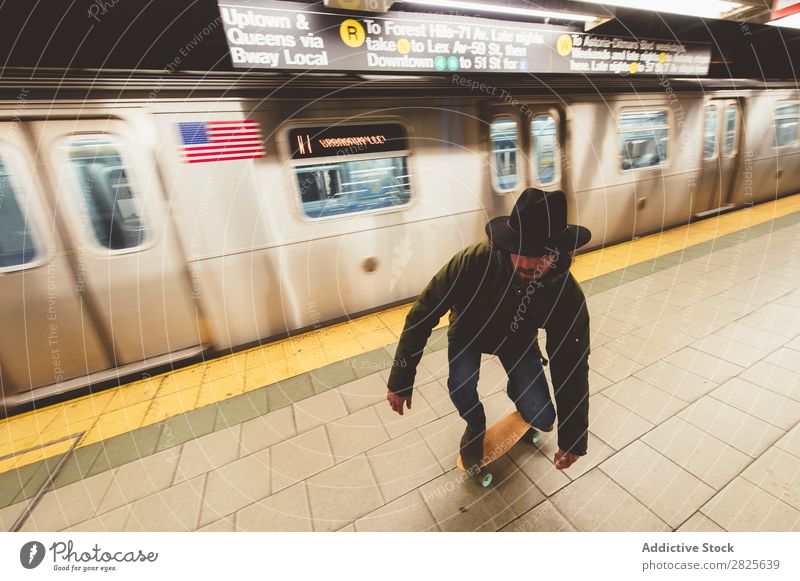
500	437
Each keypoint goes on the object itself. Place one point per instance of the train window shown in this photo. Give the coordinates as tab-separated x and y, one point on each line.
543	137
355	168
731	130
644	136
344	187
106	194
503	138
16	243
786	122
710	132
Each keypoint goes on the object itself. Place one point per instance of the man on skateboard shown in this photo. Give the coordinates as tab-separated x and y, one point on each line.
500	292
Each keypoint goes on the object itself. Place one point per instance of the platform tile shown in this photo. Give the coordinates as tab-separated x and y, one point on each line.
704	365
595	502
709	459
403	464
420	414
176	508
744	432
267	430
676	381
68	505
318	410
759	402
614	424
459	504
356	433
207	453
743	506
666	332
435	394
640	350
645	400
538	466
298	458
672	493
342	494
223	525
409	513
777	472
442	437
542	518
286	510
790	442
235	486
729	349
131	446
9	515
518	491
436	363
363	392
112	521
140	478
760	339
786	358
612	365
776	379
699	523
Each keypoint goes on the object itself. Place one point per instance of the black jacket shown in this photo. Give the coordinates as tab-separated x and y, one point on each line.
491	309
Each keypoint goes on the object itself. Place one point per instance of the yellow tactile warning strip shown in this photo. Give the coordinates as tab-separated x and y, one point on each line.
149	401
619	256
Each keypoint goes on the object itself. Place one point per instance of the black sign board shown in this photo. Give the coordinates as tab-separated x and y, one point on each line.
273	35
339	140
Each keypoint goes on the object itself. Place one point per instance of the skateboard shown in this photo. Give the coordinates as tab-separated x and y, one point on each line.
498	440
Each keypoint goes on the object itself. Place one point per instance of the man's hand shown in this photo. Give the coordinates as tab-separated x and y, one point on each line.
563	459
397	401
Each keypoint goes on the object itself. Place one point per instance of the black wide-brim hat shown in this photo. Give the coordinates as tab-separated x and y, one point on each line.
537	225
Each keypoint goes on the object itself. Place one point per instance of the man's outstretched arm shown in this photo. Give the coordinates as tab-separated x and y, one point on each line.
568	349
435	301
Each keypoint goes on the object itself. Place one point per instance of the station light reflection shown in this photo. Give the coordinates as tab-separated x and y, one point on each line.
483	7
699	8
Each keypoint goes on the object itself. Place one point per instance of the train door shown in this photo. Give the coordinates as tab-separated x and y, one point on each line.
504	138
127	255
721	119
525	149
730	120
784	141
544	153
47	337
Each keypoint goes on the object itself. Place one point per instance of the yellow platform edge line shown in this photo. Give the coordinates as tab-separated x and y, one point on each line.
175	392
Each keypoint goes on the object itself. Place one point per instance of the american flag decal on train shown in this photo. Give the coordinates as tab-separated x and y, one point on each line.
220	140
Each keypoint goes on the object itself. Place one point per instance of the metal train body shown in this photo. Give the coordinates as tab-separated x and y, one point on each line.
229	256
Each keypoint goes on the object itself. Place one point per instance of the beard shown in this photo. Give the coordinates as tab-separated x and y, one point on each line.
526	276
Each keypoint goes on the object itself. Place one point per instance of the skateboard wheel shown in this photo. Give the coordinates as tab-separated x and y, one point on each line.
486	479
535	438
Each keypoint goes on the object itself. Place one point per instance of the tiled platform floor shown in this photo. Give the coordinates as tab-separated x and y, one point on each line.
111	427
695	425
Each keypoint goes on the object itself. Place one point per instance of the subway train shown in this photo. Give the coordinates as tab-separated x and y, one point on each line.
148	218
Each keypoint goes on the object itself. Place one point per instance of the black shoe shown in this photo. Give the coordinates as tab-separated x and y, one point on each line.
472	450
533	434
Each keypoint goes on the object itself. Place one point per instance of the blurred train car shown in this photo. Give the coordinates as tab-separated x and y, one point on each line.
130	238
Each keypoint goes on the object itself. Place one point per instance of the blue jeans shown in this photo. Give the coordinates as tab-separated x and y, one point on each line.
527	386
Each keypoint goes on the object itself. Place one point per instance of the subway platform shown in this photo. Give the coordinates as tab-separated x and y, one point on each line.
694	417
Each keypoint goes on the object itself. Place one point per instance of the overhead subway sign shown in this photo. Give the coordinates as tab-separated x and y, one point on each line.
274	35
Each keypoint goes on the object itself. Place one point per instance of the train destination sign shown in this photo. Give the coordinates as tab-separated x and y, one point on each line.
274	35
336	140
